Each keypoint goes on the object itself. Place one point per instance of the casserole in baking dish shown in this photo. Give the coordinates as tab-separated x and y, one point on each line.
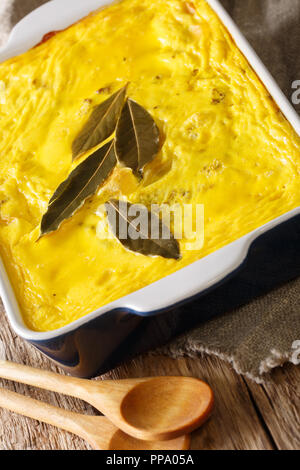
226	145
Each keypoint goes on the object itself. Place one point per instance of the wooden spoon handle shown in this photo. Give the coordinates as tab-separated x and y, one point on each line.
41	411
43	379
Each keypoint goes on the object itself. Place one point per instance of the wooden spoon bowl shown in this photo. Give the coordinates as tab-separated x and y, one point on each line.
167	406
121	441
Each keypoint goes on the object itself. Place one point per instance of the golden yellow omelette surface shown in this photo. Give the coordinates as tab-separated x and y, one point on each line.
226	145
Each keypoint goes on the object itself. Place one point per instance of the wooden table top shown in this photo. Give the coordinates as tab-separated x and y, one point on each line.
247	416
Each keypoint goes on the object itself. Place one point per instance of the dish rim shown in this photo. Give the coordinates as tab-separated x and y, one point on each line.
217	265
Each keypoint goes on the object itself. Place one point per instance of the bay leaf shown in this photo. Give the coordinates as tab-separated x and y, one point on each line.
59	190
136	236
82	183
101	124
137	137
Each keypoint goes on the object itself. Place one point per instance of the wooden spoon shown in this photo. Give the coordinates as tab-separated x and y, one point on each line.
98	431
157	408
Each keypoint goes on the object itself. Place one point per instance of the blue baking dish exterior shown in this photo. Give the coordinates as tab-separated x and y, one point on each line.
151	316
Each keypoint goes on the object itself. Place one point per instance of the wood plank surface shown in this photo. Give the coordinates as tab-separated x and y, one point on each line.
247	416
278	401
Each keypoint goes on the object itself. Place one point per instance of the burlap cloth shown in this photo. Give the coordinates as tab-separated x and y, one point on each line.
253	320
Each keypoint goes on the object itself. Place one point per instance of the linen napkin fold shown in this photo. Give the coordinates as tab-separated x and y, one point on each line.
253	320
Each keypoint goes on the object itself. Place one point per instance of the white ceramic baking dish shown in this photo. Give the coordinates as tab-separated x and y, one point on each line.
169	291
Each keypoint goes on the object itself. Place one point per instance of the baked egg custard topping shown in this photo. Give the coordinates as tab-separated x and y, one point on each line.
224	144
